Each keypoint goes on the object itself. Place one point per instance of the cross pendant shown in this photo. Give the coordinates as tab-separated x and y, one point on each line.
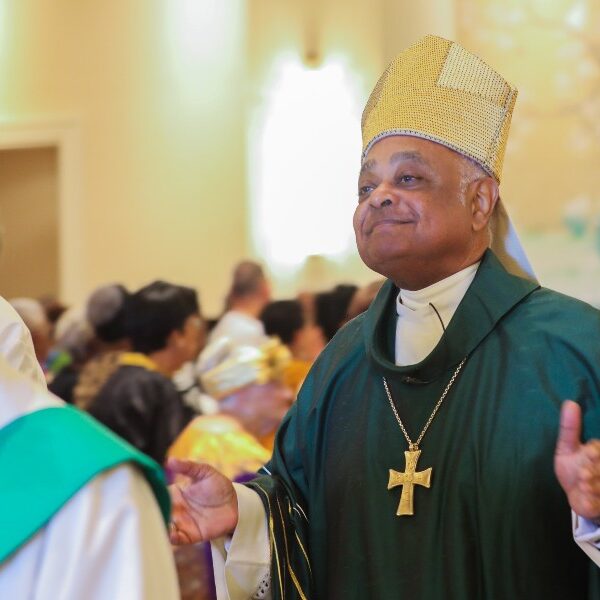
408	480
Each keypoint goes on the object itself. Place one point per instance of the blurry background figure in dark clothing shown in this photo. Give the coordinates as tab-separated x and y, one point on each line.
286	320
53	308
139	401
362	298
331	308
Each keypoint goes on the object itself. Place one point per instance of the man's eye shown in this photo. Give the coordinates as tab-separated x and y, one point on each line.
407	179
365	189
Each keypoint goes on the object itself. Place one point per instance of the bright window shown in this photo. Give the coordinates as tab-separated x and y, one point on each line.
304	160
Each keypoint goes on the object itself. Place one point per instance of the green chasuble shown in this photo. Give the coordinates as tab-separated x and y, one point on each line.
495	524
46	457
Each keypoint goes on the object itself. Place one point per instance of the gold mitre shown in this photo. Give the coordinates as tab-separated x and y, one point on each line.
439	91
225	367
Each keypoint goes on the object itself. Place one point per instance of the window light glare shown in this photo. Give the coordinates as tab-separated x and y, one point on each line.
308	149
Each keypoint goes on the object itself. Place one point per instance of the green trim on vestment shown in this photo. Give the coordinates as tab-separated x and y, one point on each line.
46	457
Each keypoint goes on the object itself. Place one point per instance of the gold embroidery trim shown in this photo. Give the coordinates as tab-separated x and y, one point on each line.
291	571
272	536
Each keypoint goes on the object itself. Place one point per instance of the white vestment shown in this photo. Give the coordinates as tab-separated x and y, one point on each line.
107	542
15	344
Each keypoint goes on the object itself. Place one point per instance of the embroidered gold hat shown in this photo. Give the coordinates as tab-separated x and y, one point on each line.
439	91
225	367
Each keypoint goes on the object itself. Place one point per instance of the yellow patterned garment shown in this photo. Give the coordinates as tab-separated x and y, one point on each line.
222	442
295	373
439	91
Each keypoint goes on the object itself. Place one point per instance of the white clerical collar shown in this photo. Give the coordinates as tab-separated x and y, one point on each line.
445	295
423	315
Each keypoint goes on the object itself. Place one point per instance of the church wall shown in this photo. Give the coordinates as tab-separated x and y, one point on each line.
549	51
156	92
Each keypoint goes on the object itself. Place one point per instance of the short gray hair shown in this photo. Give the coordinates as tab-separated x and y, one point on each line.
471	171
74	334
247	278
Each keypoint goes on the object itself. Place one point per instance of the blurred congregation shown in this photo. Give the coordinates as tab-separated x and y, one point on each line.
177	184
150	366
146	362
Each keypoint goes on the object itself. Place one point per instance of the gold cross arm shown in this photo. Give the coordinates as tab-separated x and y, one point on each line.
408	480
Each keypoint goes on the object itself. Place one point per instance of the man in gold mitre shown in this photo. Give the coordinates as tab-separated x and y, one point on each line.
431	454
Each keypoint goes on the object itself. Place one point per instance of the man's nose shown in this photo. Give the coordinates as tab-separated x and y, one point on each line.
382	197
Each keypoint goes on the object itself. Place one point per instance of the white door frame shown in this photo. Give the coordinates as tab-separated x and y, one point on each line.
65	136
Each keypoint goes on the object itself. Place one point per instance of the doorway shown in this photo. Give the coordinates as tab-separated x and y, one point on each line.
29	221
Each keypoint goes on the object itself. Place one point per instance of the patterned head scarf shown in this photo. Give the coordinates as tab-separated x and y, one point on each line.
225	367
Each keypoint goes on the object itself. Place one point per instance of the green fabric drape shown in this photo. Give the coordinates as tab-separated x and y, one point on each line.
495	523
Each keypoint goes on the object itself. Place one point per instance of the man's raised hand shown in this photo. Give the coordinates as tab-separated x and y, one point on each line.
577	465
204	507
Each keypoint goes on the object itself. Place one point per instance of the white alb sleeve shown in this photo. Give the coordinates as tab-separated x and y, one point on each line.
16	346
108	541
587	535
242	563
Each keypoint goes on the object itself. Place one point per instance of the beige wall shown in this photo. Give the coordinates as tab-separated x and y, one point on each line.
29	220
156	91
550	53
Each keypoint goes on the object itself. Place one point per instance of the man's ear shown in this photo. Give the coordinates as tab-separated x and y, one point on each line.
483	201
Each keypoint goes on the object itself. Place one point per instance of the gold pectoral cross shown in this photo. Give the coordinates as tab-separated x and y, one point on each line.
408	480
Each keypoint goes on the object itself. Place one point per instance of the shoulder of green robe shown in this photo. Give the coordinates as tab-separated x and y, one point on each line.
547	297
46	457
555	314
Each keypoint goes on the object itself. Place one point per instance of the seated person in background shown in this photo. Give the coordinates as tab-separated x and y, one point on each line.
105	312
252	400
331	308
248	384
53	308
139	401
75	338
34	317
79	508
188	385
250	292
285	319
362	298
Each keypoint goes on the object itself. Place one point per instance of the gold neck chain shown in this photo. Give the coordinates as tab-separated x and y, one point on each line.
415	445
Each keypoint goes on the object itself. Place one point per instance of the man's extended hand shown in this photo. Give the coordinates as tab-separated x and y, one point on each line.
577	465
204	508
